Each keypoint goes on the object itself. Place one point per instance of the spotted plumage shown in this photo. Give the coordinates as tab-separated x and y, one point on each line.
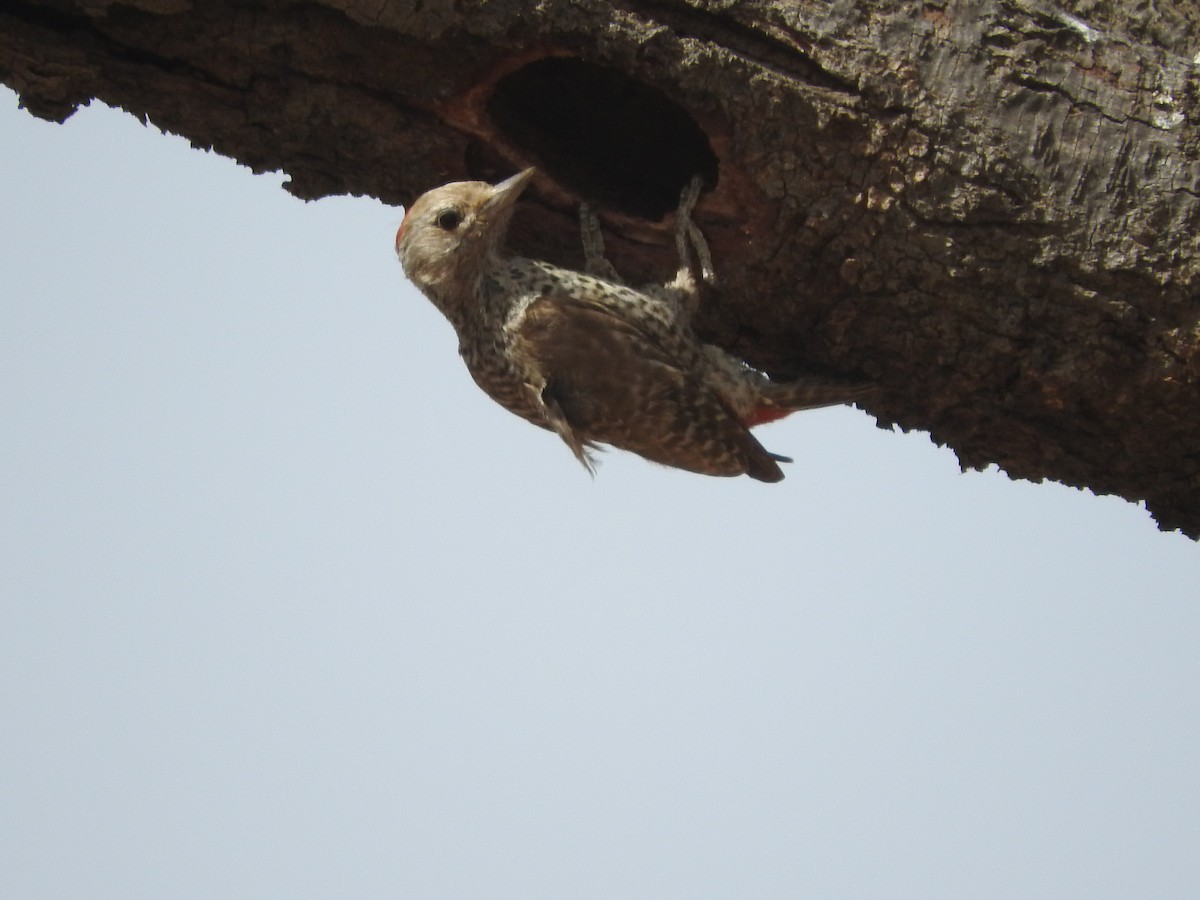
585	355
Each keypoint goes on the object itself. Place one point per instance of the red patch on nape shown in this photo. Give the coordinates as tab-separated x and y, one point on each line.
400	231
765	414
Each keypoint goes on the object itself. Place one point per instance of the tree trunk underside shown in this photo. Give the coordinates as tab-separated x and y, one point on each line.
990	208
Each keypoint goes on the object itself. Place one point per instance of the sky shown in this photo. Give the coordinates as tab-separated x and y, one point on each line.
289	608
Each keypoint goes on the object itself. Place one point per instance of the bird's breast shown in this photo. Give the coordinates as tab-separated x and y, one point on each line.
498	376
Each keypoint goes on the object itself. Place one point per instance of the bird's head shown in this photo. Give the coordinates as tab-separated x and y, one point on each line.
450	233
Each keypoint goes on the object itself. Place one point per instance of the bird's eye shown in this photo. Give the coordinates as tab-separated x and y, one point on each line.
449	219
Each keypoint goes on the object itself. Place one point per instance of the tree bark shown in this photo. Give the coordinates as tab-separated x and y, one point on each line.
989	207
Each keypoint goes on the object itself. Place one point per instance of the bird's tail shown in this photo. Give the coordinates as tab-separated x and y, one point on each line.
779	399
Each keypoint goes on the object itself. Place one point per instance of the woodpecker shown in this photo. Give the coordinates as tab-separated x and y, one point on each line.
587	356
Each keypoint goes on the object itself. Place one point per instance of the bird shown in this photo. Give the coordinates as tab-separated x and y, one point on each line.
587	356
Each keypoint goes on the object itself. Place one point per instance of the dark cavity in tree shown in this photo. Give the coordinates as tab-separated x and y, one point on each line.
615	141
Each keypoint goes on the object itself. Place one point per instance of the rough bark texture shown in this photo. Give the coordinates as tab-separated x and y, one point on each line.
989	206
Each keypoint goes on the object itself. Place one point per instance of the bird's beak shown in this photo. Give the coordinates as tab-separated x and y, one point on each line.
505	194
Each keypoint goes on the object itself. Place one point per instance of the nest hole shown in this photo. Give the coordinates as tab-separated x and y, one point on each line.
613	140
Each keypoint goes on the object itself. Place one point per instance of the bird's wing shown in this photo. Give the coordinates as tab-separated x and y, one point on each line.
605	379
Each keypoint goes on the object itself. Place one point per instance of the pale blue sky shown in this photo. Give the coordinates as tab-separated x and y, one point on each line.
290	609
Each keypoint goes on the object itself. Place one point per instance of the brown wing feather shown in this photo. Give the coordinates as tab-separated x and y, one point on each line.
615	384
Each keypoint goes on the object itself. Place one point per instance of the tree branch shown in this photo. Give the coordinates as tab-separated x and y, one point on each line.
988	207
